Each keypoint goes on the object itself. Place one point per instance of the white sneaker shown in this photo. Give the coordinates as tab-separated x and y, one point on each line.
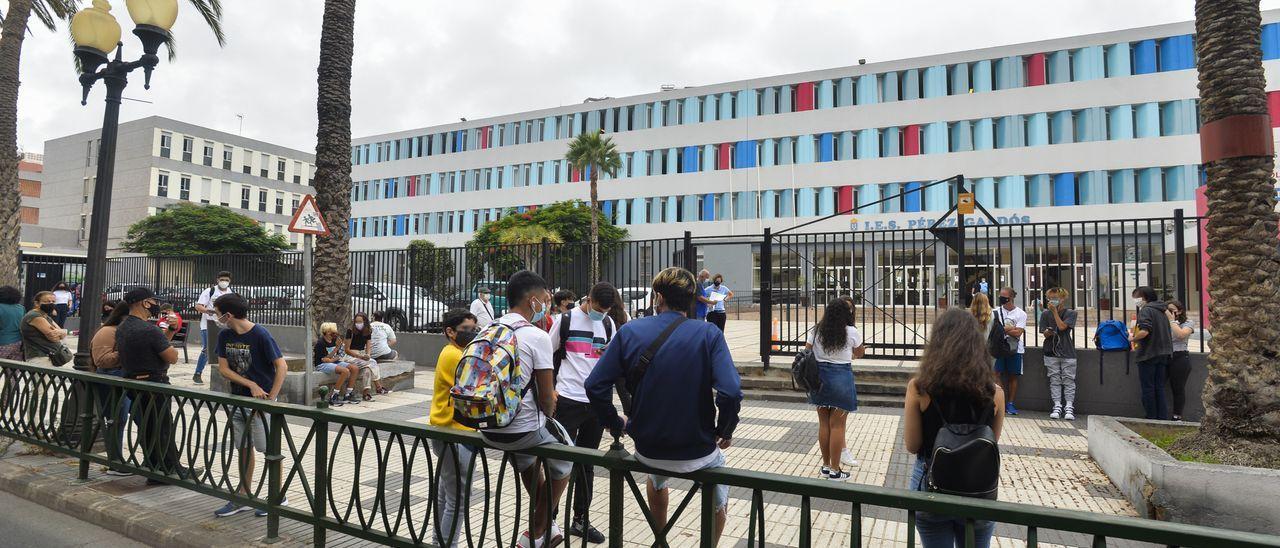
1056	413
846	458
825	470
1070	414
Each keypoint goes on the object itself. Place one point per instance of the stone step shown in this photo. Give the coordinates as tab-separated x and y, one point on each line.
791	396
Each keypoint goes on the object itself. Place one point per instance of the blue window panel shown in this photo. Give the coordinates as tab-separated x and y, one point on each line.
593	121
1089	63
744	154
692	111
673	159
1058	67
689	159
826	147
1144	57
708	157
351	228
623	209
1064	189
726	207
935	138
1147	123
433	186
690	209
784	99
961	136
606	208
640	163
1120	120
1093	188
869	142
959	79
910	84
1176	53
804	149
786	203
1270	41
845	146
1008	72
548	172
981	76
1039	191
457	141
672	208
1178	117
1122	186
508	177
433	223
438	143
747	205
709	207
1012	191
768	101
767	203
889	87
894	205
1180	182
787	156
586	172
766	154
1009	132
844	92
640	116
984	191
868	194
804	207
1118	60
672	112
657	114
726	106
468	222
1091	125
1037	129
1063	129
639	211
935	81
710	108
937	198
912	199
746	103
826	94
548	129
984	134
891	142
868	89
826	201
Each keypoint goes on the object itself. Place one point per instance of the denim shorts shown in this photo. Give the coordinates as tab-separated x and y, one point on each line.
1011	365
329	367
722	491
559	468
838	390
254	423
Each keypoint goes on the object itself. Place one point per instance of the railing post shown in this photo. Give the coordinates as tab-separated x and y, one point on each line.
1180	257
766	297
708	518
321	474
275	431
690	264
86	429
617	490
545	267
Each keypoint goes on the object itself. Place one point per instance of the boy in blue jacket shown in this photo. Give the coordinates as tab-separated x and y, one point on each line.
674	419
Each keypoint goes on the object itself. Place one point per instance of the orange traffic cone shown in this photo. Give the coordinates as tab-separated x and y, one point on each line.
774	336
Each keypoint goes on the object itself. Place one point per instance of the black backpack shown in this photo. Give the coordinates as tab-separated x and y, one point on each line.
999	344
804	371
560	353
965	459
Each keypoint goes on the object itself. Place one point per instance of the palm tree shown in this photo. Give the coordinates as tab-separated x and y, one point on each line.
1242	394
14	30
594	153
332	266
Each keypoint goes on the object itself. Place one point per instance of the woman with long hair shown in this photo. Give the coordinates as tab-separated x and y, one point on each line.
1180	362
980	308
357	349
835	343
954	385
61	303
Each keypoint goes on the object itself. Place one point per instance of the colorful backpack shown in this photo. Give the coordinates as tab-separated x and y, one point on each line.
488	381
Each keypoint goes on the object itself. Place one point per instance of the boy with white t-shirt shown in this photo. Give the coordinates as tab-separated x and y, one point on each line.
222	286
529	302
1014	320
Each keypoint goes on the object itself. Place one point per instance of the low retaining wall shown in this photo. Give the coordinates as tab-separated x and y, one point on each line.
420	348
1118	393
1162	487
396	375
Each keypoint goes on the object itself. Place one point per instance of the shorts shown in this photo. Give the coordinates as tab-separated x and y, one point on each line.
722	491
838	390
560	469
389	356
329	367
257	429
1011	365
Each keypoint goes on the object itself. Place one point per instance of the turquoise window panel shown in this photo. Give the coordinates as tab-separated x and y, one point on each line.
804	149
1089	63
746	103
1118	62
784	99
868	89
826	201
844	92
936	198
606	208
692	111
623	207
769	101
935	138
1178	117
981	76
962	136
935	81
433	224
726	207
1147	120
1063	128
1150	185
690	209
984	191
639	211
1008	72
708	157
548	173
1039	191
1270	41
1094	188
805	206
1180	182
593	121
548	129
1013	191
889	87
895	205
767	203
869	142
673	160
1123	186
710	108
846	146
1058	67
891	142
1010	132
1091	125
868	194
671	113
959	78
639	164
747	205
434	185
1144	57
468	222
726	106
657	114
508	177
673	207
1120	120
984	134
641	116
910	84
826	94
788	156
767	154
1037	129
1177	53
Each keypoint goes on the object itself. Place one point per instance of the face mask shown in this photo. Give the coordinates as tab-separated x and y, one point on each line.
1054	302
595	316
1004	300
716	283
463	338
153	310
1138	302
484	297
223	285
47	308
359	326
540	312
222	322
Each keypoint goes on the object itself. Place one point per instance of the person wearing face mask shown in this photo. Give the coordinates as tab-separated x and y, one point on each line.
454	476
1014	320
481	308
1057	324
703	304
1153	341
719	294
578	338
41	336
204	305
61	303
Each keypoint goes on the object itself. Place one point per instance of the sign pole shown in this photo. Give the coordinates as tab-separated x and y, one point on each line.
308	380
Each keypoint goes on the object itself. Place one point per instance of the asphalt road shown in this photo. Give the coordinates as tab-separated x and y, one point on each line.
26	524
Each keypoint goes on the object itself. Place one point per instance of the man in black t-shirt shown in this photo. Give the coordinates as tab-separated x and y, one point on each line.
145	355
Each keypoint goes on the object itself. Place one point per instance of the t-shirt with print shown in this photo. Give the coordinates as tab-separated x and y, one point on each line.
535	354
581	352
1013	318
251	355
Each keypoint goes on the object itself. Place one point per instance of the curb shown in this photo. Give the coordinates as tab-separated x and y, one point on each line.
127	518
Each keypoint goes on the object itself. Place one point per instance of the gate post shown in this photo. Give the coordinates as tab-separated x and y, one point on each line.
1180	260
690	264
545	267
766	296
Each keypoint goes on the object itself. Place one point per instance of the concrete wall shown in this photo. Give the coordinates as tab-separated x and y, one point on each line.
420	348
1117	393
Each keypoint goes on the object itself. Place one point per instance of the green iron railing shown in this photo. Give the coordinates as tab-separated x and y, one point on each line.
376	479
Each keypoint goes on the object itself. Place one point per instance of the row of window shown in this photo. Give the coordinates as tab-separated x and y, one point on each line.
1145	185
1068	126
181	186
1087	63
222	155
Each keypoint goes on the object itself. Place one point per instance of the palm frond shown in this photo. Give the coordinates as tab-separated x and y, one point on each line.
41	12
211	12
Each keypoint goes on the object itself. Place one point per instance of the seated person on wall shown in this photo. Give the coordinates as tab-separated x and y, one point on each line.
381	340
328	353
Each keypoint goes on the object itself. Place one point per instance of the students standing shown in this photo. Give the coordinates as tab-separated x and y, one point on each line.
204	305
703	303
145	355
61	303
1180	361
250	360
835	343
1014	320
1153	341
105	358
481	308
674	419
1057	324
717	315
453	481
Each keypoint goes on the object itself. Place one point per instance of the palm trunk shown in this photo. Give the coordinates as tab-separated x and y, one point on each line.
1242	394
332	267
14	30
594	271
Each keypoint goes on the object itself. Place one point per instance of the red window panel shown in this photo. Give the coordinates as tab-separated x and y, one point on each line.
413	185
844	199
722	157
1035	70
1273	107
575	175
484	137
804	96
911	140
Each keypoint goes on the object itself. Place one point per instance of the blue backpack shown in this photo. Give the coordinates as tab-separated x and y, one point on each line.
1112	336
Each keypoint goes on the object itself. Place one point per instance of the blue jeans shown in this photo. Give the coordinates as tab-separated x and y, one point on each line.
943	531
114	426
1153	373
204	347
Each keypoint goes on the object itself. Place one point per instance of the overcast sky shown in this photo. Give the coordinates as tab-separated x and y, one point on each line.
420	62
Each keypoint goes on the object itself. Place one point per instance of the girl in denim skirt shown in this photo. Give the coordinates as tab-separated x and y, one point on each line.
835	343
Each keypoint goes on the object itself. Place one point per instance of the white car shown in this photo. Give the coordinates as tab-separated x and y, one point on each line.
638	301
407	307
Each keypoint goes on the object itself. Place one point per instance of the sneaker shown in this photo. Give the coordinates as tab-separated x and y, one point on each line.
119	473
196	379
1070	414
838	476
846	458
263	513
382	391
1009	409
582	528
335	401
352	397
826	470
230	509
1056	413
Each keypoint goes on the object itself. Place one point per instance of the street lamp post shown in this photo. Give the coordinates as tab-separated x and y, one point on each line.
96	32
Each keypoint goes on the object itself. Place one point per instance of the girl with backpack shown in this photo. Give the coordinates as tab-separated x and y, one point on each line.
951	422
835	344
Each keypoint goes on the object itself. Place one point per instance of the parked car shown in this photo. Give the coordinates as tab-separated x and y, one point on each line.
183	299
115	292
638	301
407	307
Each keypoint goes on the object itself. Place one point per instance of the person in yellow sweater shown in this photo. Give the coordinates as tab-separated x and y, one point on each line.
455	459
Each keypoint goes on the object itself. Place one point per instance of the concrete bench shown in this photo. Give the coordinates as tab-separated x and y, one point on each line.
396	375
